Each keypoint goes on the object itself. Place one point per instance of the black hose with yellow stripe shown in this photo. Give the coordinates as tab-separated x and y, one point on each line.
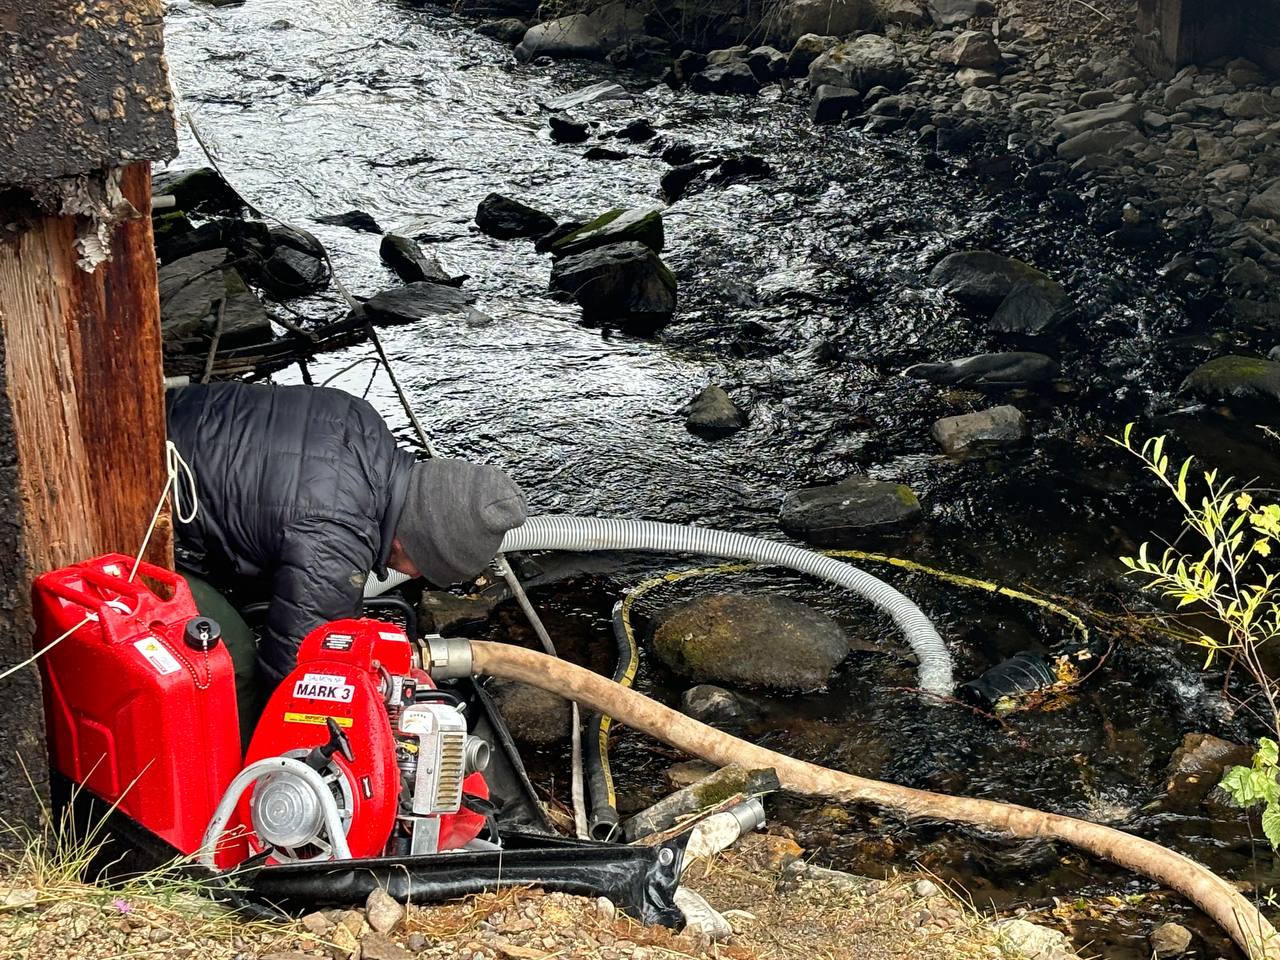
602	817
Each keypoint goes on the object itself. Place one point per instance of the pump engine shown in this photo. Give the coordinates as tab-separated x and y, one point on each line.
357	754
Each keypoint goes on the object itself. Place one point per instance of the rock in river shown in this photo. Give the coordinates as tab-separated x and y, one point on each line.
832	104
856	505
736	76
508	219
713	413
712	704
411	264
1011	369
625	283
983	278
191	289
416	301
970	432
759	640
869	61
589	35
616	226
353	220
1031	307
533	715
1248	379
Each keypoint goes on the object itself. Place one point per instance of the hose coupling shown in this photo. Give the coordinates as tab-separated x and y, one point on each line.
446	658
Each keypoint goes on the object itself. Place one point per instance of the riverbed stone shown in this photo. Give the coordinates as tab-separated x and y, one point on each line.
713	413
1032	307
711	704
856	505
357	220
1170	940
970	433
594	93
583	35
973	48
952	13
1035	942
735	76
197	190
968	77
289	273
417	301
565	130
808	49
1074	124
1250	380
831	104
838	17
508	219
507	30
616	226
1197	766
985	279
412	264
1250	105
1265	204
533	715
1100	140
190	290
906	13
383	912
868	61
1013	368
756	640
623	282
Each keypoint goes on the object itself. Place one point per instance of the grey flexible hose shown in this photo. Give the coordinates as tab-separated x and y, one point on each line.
553	532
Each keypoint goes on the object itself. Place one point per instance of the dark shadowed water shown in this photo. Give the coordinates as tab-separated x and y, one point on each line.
805	294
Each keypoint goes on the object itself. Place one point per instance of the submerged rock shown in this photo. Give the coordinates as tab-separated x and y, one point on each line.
971	432
1247	379
983	278
713	413
624	283
1031	307
616	226
604	90
416	301
712	704
1170	940
353	220
533	715
1011	369
508	219
564	130
869	61
587	35
1197	766
856	505
748	639
676	180
412	264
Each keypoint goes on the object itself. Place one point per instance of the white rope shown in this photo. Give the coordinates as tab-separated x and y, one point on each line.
175	468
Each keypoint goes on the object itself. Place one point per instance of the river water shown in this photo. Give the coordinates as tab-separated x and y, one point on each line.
805	294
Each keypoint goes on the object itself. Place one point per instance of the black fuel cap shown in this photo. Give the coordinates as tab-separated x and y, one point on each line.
202	633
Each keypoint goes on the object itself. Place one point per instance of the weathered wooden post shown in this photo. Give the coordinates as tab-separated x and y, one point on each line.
1174	33
84	107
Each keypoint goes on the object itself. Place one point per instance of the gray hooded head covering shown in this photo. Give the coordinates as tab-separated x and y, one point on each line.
455	516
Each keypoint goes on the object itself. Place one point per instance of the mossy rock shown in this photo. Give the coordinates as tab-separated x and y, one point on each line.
1250	380
985	279
832	514
616	226
750	640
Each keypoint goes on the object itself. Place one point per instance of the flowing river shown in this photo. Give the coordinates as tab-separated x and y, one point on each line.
806	294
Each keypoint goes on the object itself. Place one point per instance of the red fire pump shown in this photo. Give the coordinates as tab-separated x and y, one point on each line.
357	754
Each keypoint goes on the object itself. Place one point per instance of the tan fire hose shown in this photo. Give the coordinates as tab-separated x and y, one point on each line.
1252	932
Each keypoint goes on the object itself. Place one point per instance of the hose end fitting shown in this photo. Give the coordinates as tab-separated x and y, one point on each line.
749	814
447	658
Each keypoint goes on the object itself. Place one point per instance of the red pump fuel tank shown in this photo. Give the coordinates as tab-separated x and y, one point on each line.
135	713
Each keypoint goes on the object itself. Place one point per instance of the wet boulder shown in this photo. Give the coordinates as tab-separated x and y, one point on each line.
595	93
200	190
616	226
806	50
1100	141
191	290
869	61
624	283
534	716
412	264
1265	204
856	505
249	241
564	130
952	13
989	370
1248	380
676	181
712	704
289	272
1170	940
417	301
509	219
832	104
583	35
736	76
970	433
987	280
906	13
508	30
767	63
712	413
755	640
356	220
1197	766
839	17
1082	121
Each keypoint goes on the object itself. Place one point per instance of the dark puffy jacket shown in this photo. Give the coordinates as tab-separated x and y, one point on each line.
299	485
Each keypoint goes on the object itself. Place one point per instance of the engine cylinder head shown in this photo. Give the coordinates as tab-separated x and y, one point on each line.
285	810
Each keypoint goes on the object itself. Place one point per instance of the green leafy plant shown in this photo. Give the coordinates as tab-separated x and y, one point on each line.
1220	569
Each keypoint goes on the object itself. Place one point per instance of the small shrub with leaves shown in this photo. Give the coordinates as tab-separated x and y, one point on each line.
1221	568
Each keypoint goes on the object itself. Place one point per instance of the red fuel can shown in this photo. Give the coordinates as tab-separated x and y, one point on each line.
136	714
